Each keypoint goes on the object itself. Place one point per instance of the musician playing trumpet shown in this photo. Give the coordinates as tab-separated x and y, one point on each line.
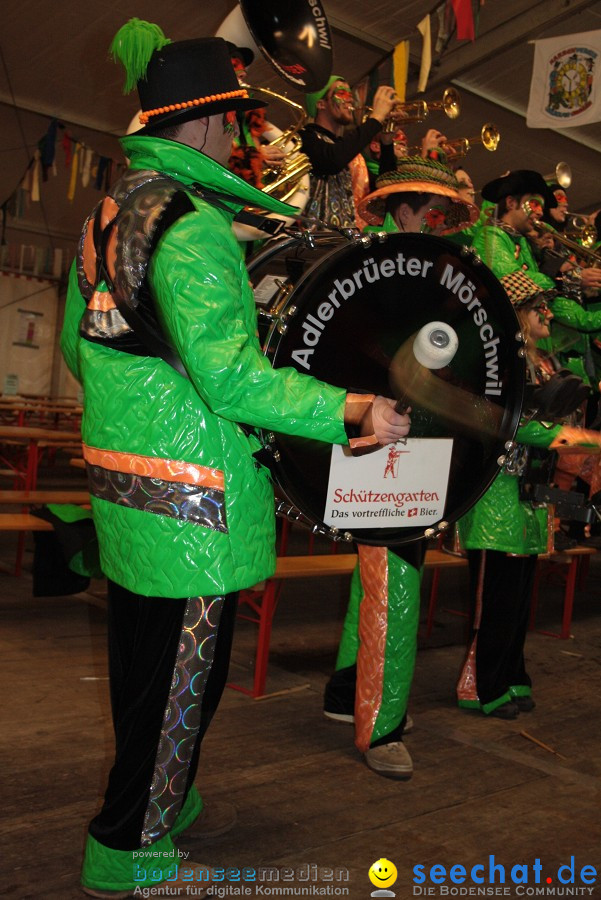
340	178
558	257
504	245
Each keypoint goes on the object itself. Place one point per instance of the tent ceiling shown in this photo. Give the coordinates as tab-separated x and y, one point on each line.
55	63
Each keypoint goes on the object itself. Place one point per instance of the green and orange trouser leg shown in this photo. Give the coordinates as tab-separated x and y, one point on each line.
380	637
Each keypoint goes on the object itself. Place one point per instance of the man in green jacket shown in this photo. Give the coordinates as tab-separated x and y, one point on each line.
503	244
160	328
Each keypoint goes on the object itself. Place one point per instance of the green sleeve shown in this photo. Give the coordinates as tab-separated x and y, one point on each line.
570	313
537	434
74	310
207	308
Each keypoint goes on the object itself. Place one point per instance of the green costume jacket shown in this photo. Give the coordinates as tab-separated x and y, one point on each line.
500	521
181	505
505	253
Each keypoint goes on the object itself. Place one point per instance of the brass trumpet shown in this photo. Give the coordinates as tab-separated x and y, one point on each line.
489	137
592	259
562	175
582	230
457	149
418	110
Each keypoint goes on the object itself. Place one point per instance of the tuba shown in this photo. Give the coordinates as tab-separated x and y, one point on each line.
295	40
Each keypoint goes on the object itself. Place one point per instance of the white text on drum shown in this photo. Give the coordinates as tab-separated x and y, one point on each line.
345	288
464	290
320	21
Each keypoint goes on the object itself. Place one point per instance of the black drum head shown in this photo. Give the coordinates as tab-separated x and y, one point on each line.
358	309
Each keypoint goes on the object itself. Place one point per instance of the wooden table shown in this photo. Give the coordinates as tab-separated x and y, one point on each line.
34	439
22	408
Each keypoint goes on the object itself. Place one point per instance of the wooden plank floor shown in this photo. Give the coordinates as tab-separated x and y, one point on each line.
302	792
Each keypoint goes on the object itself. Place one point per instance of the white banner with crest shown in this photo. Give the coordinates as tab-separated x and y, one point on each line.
565	90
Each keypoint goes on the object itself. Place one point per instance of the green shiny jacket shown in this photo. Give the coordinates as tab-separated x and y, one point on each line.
505	253
140	415
499	520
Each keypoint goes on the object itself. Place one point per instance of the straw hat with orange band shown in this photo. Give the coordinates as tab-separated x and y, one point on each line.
414	174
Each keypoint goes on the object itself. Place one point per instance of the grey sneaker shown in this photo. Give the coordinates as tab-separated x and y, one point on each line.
347	718
390	760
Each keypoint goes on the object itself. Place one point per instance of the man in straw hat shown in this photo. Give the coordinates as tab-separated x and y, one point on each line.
160	328
374	667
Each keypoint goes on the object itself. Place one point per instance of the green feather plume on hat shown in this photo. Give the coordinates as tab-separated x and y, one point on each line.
133	46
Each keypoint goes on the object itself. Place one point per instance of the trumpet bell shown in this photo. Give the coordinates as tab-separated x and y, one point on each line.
588	236
562	175
451	103
490	136
585	234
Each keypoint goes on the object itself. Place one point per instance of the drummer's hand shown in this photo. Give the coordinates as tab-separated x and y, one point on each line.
387	425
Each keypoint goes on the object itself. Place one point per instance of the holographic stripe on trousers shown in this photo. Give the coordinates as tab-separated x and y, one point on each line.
467	686
195	503
181	721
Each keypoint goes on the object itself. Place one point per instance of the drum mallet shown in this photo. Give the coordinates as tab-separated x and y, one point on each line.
434	346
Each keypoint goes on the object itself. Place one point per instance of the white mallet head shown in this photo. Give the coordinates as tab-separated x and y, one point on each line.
435	345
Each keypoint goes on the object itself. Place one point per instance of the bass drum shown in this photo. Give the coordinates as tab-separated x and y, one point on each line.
348	313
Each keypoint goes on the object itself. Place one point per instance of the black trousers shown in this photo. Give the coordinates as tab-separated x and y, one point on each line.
168	664
502	605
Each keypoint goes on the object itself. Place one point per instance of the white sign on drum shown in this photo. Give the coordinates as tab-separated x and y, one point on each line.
401	485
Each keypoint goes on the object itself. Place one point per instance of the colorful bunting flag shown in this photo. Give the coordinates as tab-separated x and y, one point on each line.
400	61
426	62
464	16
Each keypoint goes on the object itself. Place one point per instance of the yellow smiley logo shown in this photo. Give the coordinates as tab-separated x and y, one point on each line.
383	873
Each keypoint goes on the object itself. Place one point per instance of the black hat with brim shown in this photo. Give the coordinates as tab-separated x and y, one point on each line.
516	184
188	80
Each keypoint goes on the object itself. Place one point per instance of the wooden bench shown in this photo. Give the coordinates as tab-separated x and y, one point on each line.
39	498
22	522
31	439
262	600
